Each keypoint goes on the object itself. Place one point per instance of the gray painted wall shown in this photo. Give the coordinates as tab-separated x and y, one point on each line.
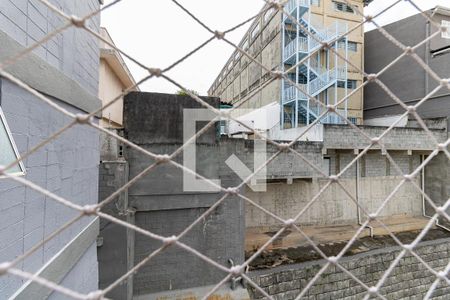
67	166
406	79
83	276
73	52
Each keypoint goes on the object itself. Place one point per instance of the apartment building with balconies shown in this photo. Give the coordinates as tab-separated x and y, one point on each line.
279	42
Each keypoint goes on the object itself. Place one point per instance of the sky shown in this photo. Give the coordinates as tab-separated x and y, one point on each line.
157	33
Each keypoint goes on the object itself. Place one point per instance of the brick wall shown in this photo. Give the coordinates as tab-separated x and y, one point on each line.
409	280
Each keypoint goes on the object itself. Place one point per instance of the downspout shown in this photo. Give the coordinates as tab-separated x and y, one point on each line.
283	32
358	209
297	36
427	56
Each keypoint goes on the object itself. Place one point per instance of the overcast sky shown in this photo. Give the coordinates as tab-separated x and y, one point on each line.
157	33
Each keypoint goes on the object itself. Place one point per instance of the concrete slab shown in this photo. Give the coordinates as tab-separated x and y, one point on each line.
256	237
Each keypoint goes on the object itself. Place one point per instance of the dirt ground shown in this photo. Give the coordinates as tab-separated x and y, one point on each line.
276	257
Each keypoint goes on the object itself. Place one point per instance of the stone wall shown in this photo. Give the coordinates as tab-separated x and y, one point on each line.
410	279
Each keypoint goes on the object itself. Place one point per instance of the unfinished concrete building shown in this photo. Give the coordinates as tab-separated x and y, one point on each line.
279	43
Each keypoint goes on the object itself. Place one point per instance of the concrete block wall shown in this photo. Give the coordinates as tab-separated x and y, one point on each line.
216	236
73	52
287	200
285	165
163	207
345	137
410	279
67	166
334	206
113	251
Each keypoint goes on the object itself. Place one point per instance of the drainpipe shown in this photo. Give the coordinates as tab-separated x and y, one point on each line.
358	210
427	56
236	280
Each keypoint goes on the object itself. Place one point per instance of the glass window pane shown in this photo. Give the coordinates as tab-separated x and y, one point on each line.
7	152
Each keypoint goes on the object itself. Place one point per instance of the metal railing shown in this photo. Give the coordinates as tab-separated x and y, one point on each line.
294	4
298	44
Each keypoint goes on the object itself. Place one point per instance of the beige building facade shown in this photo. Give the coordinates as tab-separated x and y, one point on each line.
115	77
278	43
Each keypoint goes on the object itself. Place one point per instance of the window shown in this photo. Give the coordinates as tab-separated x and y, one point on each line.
351	84
255	31
245	45
351	46
353	120
327	166
8	149
230	65
237	55
446	35
339	6
315	2
268	14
